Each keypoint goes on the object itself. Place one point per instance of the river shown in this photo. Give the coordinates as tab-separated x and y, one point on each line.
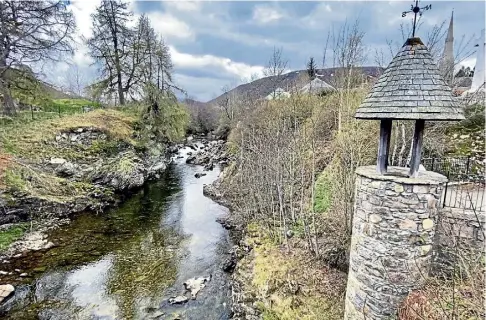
126	263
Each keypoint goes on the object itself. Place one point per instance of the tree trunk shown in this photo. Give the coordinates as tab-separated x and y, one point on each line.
8	103
117	57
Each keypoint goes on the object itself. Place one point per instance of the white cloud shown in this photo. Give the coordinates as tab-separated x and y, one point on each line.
323	14
184	5
265	14
169	26
82	11
217	64
201	88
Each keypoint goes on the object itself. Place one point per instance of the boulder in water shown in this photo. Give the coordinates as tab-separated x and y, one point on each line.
5	291
196	284
178	300
190	160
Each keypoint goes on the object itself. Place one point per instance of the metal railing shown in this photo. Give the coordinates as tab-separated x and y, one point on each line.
466	184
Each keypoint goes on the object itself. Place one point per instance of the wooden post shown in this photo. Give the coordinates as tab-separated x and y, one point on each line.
417	148
384	145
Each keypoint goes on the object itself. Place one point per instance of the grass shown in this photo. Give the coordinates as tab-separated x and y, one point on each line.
11	234
291	284
323	193
27	180
33	140
24	145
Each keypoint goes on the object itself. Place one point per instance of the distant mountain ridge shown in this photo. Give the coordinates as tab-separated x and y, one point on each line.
262	87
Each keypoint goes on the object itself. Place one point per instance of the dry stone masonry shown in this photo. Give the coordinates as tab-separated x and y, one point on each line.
459	237
394	226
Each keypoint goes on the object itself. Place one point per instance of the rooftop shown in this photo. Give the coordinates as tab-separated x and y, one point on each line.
412	88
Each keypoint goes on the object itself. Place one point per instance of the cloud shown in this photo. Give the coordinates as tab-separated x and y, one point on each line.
323	13
82	11
216	65
264	14
184	5
169	26
201	88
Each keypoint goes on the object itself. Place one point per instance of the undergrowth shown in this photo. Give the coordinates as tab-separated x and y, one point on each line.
289	284
11	234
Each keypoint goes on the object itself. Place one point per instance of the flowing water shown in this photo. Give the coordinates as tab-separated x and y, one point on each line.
126	263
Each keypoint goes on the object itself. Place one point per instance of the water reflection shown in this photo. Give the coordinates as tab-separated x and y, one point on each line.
126	263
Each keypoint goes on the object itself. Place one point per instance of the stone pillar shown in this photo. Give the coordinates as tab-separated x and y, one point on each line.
391	247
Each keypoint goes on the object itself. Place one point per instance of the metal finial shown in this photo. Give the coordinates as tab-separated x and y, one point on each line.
416	10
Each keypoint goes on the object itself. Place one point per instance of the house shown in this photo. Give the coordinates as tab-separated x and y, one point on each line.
279	93
317	86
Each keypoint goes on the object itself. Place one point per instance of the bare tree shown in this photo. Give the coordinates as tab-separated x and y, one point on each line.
31	31
275	68
75	80
324	53
348	54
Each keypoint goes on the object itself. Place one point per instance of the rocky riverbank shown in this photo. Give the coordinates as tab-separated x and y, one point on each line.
112	178
240	257
140	244
82	162
52	169
270	280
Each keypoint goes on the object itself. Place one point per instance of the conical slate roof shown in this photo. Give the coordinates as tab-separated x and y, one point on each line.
411	88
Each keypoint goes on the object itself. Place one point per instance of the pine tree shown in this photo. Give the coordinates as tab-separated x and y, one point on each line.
311	68
108	45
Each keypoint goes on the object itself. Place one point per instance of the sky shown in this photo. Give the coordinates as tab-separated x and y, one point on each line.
215	44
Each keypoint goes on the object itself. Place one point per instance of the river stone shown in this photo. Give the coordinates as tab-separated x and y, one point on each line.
196	284
190	159
5	291
178	300
57	160
66	169
200	174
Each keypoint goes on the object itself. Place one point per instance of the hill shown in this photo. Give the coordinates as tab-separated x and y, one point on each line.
296	79
28	89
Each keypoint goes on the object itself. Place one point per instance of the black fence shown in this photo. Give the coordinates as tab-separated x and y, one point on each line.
454	168
466	185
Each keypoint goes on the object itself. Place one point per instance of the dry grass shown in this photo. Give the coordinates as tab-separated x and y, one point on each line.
292	284
30	140
26	144
459	295
5	162
443	300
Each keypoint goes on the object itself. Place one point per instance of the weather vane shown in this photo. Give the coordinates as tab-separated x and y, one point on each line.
416	9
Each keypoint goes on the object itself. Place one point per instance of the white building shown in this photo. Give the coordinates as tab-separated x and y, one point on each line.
317	86
479	78
279	93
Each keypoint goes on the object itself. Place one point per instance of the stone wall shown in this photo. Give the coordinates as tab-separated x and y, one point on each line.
393	232
460	234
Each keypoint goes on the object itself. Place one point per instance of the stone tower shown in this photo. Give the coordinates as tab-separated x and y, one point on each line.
395	210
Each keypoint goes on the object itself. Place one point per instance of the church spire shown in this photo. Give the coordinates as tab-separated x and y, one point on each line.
450	31
448	56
